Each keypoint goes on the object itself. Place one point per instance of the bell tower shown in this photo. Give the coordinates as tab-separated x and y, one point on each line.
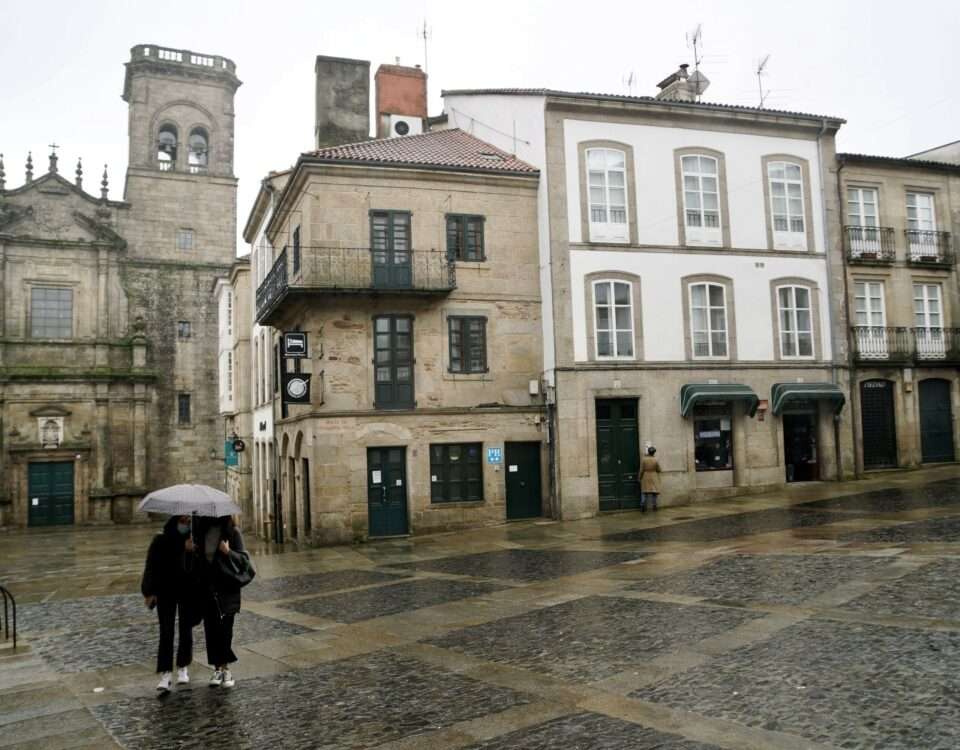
180	180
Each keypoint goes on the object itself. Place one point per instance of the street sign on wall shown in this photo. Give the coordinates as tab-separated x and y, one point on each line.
295	345
494	455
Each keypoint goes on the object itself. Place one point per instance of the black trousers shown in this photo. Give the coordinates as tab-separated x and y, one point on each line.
167	606
219	635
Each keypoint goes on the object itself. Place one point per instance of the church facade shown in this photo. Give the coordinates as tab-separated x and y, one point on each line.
108	328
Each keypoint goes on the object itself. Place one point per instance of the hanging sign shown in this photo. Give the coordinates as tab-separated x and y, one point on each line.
295	345
230	457
296	388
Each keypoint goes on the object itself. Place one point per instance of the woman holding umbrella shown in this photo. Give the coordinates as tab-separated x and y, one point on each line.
221	564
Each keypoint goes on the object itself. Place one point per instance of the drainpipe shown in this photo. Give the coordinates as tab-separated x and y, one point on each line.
834	375
854	399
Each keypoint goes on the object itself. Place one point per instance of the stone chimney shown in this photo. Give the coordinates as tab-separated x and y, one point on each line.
401	94
683	87
343	101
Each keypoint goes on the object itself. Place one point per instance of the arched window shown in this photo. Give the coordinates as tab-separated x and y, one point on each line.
708	321
167	148
613	319
701	192
607	185
198	145
795	311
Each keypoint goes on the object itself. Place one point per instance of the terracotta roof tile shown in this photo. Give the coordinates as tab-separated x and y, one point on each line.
442	149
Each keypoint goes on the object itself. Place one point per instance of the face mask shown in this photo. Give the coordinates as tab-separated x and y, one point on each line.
183	528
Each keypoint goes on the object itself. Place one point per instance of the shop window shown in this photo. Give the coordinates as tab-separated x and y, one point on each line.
456	472
713	438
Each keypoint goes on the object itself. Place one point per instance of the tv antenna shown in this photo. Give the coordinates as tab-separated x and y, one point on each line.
425	33
761	72
695	41
630	80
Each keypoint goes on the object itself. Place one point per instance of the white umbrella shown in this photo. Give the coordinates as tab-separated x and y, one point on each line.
190	499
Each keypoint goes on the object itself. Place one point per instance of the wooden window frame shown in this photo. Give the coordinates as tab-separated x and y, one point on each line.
462	322
393	363
814	290
441	469
458	230
184	398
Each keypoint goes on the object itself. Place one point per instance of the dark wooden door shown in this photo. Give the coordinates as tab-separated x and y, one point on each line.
393	361
50	487
387	491
390	245
524	498
618	453
800	447
936	421
305	482
878	424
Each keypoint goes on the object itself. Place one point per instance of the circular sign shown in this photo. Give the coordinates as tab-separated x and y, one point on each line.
239	446
296	387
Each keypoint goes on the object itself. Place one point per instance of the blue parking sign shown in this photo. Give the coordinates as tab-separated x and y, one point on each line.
494	455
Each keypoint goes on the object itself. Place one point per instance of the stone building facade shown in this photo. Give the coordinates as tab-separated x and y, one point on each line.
108	331
411	266
900	219
691	261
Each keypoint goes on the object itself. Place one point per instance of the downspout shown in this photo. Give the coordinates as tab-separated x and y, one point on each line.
854	399
834	374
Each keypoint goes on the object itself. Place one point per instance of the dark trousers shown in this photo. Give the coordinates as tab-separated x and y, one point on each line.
167	606
218	630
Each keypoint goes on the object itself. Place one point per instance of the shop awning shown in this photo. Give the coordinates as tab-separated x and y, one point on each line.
692	394
783	394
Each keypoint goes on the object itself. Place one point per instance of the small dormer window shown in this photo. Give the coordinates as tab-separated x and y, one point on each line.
198	144
167	148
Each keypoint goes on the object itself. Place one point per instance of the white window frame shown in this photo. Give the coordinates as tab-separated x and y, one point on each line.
613	331
605	228
865	225
916	246
872	339
789	238
927	310
699	233
709	330
788	321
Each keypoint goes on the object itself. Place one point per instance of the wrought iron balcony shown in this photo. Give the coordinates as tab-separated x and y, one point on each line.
933	346
928	248
882	343
870	244
357	270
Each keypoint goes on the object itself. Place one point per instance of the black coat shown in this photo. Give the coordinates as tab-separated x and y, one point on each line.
170	569
223	589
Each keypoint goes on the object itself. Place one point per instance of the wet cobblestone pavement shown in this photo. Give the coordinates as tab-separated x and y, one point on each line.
776	579
821	616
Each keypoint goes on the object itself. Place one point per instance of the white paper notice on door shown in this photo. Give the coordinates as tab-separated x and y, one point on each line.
399	483
513	469
35	501
376	477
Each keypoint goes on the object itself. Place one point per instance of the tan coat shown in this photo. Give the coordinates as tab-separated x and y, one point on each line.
649	474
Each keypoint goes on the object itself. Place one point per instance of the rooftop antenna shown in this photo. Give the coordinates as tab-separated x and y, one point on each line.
425	33
761	72
630	80
695	40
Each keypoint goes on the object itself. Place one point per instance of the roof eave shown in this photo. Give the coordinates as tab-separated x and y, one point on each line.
387	164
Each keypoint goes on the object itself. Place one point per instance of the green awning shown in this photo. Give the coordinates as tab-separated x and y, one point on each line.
692	394
783	394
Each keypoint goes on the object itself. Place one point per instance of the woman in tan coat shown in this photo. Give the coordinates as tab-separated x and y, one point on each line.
649	480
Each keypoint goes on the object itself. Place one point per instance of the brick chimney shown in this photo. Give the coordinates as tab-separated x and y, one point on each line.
343	101
401	94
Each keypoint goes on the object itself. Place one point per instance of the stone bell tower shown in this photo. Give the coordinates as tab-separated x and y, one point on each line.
181	229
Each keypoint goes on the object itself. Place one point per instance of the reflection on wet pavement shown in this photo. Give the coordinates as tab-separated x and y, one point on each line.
825	614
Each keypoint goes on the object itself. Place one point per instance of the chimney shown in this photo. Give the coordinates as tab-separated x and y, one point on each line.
682	87
343	101
401	100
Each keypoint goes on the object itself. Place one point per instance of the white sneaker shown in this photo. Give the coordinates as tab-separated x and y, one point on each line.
217	679
228	681
166	680
182	676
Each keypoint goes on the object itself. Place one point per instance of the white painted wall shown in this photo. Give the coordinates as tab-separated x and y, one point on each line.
662	297
516	125
655	204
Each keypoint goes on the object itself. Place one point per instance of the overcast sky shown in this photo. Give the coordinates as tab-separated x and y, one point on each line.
886	67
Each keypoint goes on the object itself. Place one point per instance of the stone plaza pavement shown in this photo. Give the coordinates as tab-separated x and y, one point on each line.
822	616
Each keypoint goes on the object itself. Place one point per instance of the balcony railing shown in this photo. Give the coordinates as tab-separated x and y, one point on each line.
882	343
936	345
925	247
870	244
355	270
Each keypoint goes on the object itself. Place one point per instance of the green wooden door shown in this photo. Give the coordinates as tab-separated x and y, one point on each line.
387	491
393	362
936	421
390	245
878	424
50	486
524	499
618	453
